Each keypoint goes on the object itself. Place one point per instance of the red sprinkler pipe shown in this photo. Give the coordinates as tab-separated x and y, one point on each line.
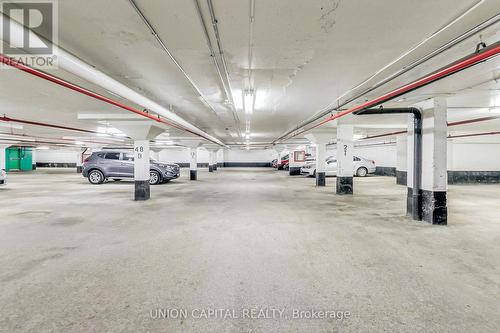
453	68
456	123
29	122
11	62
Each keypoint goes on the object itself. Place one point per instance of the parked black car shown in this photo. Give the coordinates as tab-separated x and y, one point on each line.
117	165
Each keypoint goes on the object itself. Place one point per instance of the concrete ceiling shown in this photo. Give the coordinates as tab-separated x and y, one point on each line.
301	57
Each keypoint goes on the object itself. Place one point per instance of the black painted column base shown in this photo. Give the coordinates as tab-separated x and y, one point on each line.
344	185
33	167
414	205
215	167
192	174
401	177
142	191
210	168
428	206
434	208
79	169
320	179
294	171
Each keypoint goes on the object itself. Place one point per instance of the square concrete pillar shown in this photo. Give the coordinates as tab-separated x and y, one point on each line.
345	165
2	156
141	170
79	162
321	137
33	158
296	159
193	163
401	159
434	164
321	164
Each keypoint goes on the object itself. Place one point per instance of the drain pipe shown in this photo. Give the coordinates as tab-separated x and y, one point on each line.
416	205
455	67
322	113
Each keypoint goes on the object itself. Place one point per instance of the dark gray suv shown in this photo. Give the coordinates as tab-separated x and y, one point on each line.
116	165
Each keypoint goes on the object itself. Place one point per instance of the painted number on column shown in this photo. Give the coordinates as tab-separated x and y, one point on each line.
345	150
140	152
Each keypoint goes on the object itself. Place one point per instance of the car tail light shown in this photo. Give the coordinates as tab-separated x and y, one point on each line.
86	160
373	162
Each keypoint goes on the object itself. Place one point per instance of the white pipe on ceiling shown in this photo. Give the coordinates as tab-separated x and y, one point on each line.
73	65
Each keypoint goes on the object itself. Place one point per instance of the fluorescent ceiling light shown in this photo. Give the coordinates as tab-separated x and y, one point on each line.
168	142
13	126
260	99
79	143
42	148
238	99
249	100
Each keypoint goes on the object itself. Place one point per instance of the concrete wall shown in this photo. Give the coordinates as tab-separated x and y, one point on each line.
55	156
259	157
384	155
471	155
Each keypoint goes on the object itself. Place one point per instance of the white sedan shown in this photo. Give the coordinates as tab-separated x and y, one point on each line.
3	176
362	167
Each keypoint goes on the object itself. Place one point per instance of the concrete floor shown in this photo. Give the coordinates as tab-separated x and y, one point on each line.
82	258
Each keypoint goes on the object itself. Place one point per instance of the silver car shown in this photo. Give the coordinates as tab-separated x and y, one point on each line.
116	165
362	167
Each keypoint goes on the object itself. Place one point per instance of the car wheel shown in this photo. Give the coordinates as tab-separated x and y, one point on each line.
96	177
154	177
362	172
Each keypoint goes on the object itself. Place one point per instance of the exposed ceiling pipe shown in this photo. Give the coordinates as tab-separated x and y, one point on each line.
221	50
416	203
472	134
455	67
72	64
227	89
170	55
67	84
36	123
451	124
471	32
36	139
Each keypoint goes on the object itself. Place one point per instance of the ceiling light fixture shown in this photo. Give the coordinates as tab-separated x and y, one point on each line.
249	101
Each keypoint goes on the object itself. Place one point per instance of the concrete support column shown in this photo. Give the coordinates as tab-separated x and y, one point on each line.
279	149
401	159
321	138
345	164
215	160
295	161
212	157
33	158
141	170
2	157
193	163
79	162
434	168
321	164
